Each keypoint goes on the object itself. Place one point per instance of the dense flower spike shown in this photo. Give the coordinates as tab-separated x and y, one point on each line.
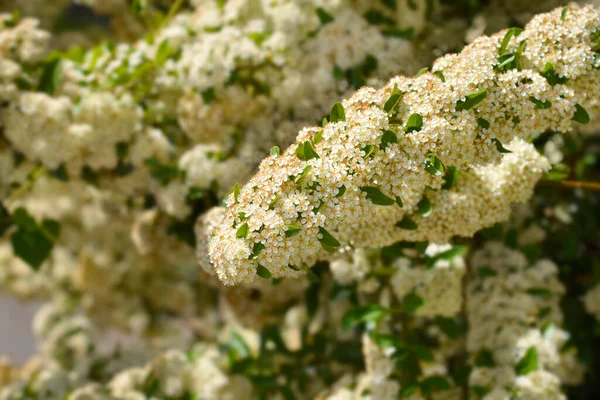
383	156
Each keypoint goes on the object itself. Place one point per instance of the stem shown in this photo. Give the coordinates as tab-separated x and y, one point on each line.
572	184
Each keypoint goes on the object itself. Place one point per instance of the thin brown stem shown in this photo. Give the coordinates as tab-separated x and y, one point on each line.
572	184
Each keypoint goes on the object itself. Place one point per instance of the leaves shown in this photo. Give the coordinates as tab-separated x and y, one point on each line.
440	75
414	123
323	15
450	177
387	138
5	219
256	250
371	313
412	303
51	76
242	231
164	52
499	146
540	104
483	123
303	175
528	363
485	358
471	100
368	150
292	230
341	191
274	152
558	172
581	115
263	272
328	242
424	208
509	34
434	383
448	255
407	223
337	113
236	192
551	76
376	196
305	151
434	165
33	242
162	172
393	101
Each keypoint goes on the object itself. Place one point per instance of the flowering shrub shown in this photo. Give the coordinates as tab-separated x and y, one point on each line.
332	199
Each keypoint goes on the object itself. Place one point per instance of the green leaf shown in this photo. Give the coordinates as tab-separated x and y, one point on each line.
433	384
208	95
13	20
236	192
499	146
450	177
323	15
449	326
407	33
274	151
540	292
414	123
292	230
318	138
423	353
303	175
376	196
421	71
558	172
51	76
393	101
448	255
256	250
424	207
440	75
399	202
471	100
263	272
305	151
528	363
412	302
581	115
485	358
163	173
164	52
368	150
480	391
407	223
509	34
387	138
434	165
483	123
328	242
540	104
341	191
5	219
33	242
563	13
238	346
337	113
242	231
551	76
485	272
371	313
139	7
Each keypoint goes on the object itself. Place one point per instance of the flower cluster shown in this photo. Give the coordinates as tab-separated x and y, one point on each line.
386	155
515	337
